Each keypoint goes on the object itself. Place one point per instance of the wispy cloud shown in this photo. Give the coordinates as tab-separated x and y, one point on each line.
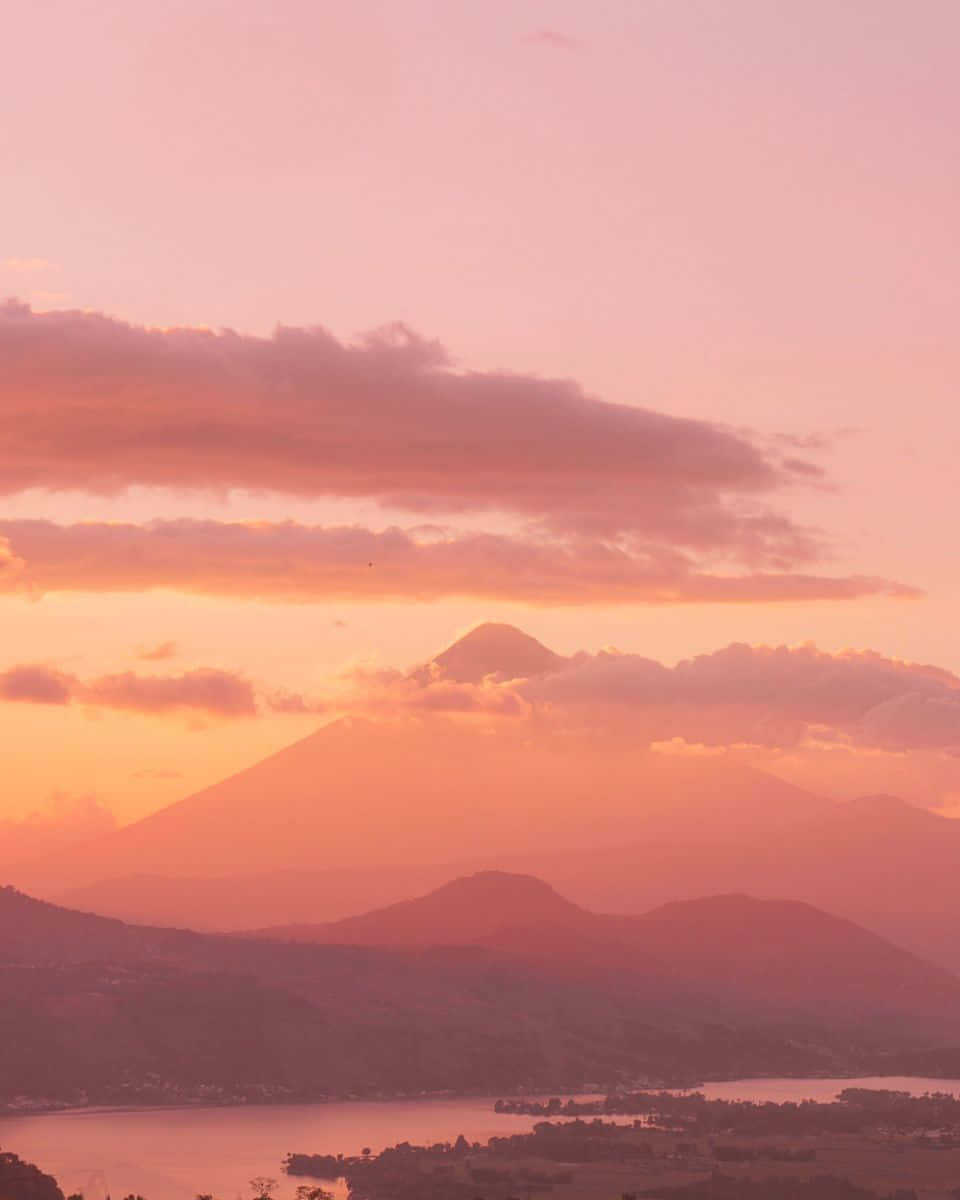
205	690
27	266
159	652
553	39
291	562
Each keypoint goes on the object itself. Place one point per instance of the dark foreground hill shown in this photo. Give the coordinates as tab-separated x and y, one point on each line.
21	1180
117	1013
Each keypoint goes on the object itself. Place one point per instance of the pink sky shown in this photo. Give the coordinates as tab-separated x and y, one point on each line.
741	214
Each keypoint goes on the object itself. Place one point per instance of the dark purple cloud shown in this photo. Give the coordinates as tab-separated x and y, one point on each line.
96	404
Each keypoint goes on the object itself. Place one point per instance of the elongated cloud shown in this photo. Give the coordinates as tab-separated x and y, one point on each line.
781	697
221	693
809	684
770	696
158	652
293	562
92	403
205	690
553	39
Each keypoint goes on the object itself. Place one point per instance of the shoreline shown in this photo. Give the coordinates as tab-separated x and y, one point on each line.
186	1105
204	1105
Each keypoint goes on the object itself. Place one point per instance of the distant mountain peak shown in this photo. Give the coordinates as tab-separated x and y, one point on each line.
500	885
484	895
467	910
493	649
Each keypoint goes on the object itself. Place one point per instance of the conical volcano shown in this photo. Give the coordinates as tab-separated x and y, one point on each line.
492	649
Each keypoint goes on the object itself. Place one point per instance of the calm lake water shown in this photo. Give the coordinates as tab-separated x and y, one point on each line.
172	1154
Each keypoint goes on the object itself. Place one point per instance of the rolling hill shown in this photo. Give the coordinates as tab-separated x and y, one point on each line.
776	959
723	988
468	911
850	859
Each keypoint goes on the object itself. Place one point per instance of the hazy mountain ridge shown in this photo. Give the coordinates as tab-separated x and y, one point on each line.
876	857
465	911
514	789
777	957
559	997
615	829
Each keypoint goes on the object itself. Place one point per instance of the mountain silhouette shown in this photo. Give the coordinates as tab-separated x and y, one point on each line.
361	794
465	911
751	964
231	858
721	987
363	813
763	956
491	649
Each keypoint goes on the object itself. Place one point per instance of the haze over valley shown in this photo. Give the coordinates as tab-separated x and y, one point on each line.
366	811
480	675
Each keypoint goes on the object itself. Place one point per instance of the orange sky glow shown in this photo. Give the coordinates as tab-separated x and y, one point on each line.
333	331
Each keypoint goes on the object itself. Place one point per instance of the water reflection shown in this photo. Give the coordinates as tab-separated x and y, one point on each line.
166	1154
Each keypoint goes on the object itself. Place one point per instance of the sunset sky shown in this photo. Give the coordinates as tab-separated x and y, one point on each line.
337	329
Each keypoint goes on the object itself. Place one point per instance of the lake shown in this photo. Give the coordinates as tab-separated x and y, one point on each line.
172	1154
